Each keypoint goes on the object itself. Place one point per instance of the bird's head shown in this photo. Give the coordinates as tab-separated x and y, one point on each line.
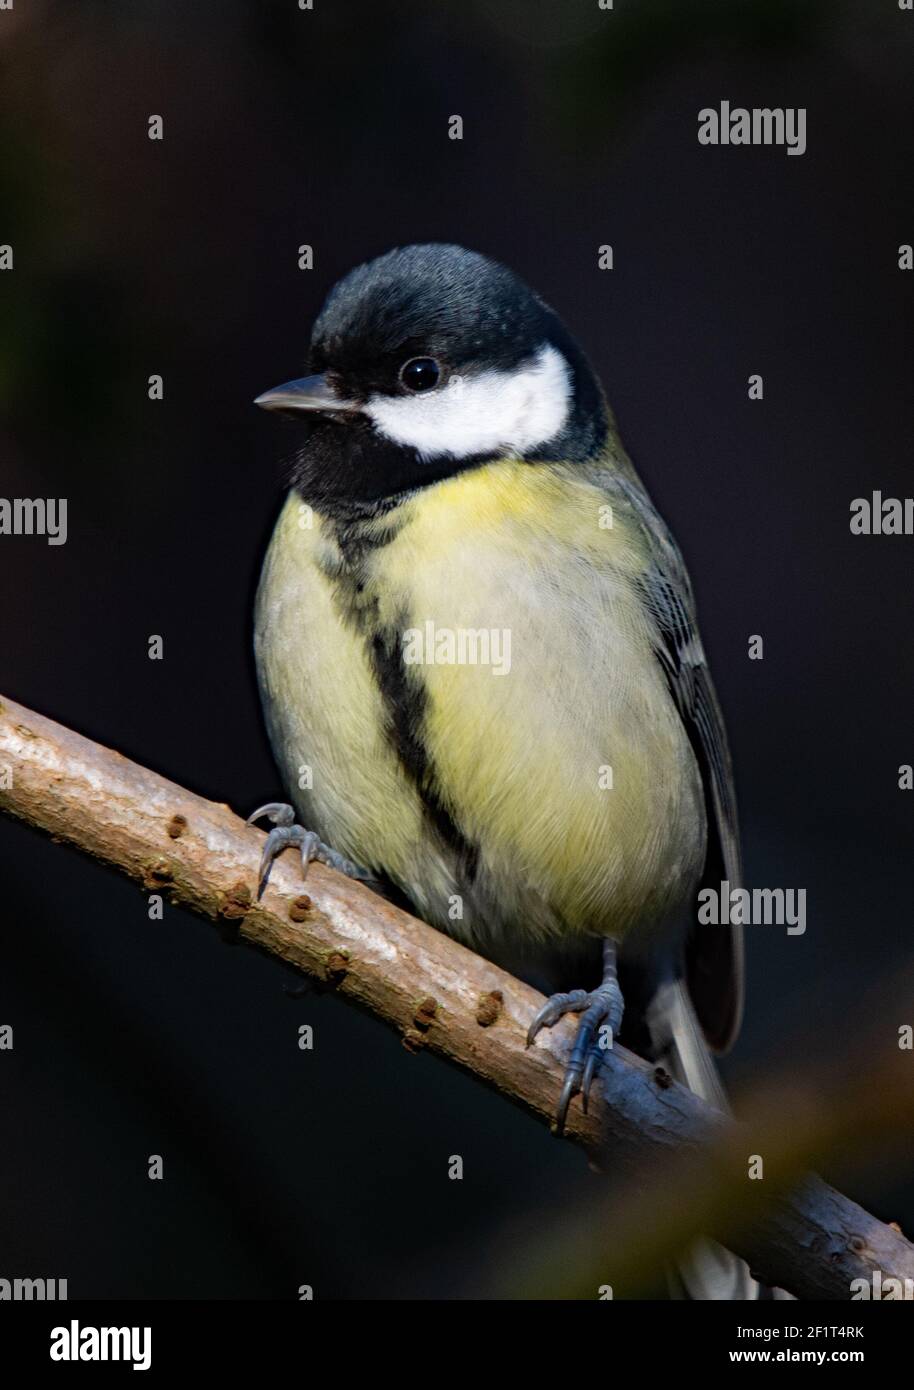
425	362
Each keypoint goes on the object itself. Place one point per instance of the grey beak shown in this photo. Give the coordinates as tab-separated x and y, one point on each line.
308	393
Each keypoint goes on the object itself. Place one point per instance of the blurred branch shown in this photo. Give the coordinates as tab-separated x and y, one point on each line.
861	1111
439	995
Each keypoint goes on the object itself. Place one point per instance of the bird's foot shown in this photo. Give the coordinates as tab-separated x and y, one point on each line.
285	833
601	1011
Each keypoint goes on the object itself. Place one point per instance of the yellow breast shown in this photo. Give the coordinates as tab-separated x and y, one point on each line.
551	739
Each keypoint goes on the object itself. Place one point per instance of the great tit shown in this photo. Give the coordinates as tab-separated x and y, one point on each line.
477	636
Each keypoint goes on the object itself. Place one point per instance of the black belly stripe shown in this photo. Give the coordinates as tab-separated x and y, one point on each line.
404	694
406	699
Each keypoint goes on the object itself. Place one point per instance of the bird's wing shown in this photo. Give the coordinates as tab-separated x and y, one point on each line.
714	954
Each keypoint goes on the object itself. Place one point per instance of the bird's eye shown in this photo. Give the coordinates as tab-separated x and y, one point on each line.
420	374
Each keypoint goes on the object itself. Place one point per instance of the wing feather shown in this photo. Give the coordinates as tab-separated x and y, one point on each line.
714	954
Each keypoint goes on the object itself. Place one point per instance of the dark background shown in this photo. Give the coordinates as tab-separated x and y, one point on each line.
133	257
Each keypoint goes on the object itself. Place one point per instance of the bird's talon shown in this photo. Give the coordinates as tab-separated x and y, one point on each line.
598	1007
594	1059
277	811
285	833
555	1008
569	1091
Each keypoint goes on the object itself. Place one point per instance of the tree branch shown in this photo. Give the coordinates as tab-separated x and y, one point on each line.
439	995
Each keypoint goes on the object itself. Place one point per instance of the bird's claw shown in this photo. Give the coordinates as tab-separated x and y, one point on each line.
597	1007
284	833
556	1007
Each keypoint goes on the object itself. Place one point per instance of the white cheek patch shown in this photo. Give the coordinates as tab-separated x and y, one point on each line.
488	412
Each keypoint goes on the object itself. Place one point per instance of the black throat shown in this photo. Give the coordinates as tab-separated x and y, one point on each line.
346	469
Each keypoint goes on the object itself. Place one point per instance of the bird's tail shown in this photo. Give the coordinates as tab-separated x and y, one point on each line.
707	1270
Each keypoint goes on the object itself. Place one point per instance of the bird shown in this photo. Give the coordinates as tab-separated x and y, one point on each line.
476	637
